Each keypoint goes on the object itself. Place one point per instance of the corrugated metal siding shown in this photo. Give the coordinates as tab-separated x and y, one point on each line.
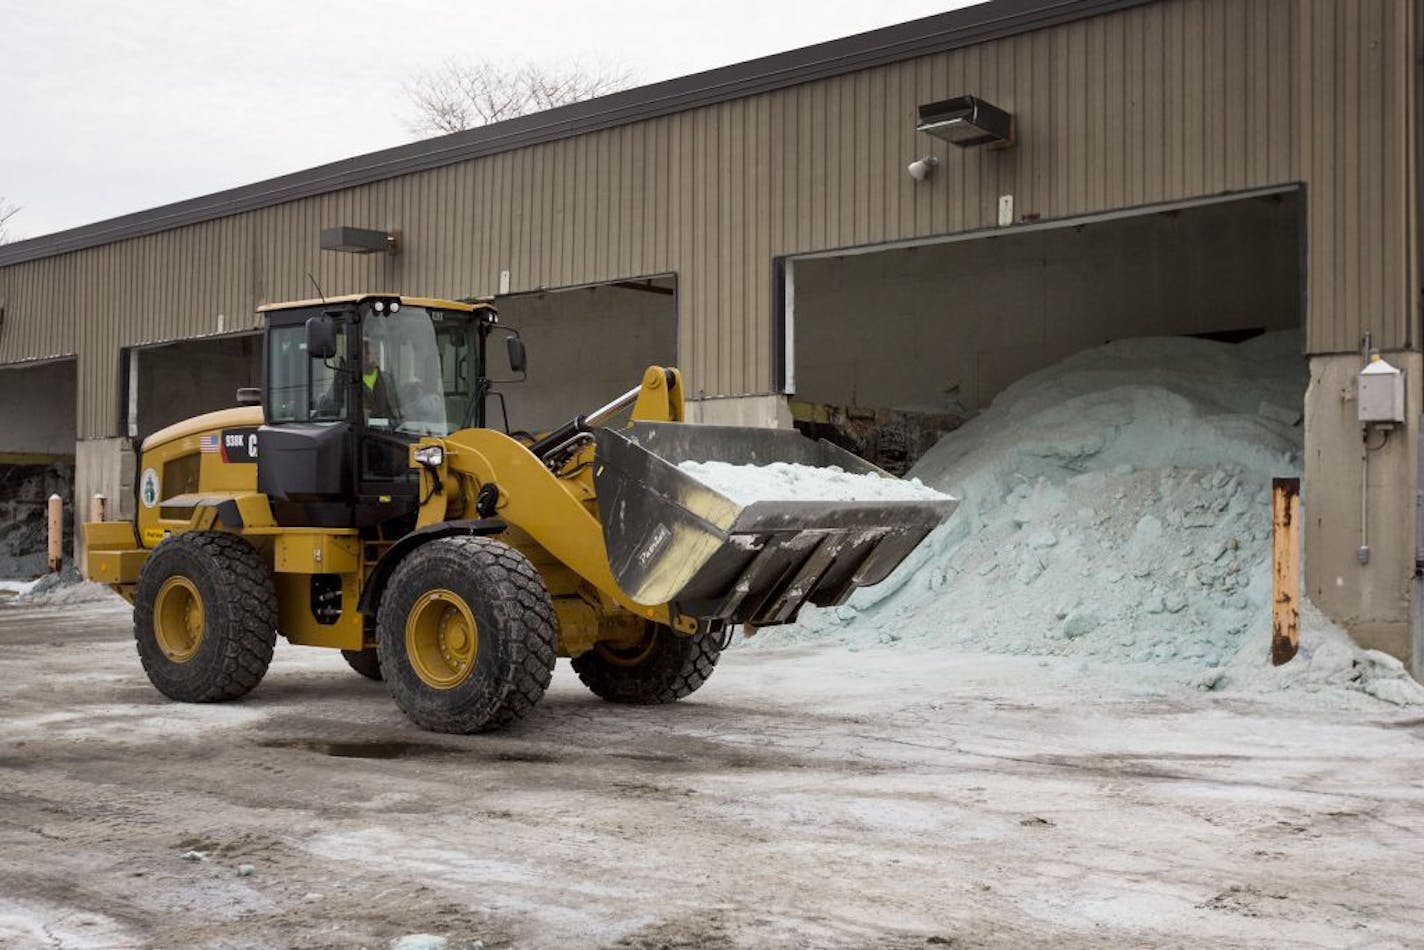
1357	128
1156	103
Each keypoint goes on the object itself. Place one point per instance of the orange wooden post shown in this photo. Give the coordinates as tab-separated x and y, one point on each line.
56	532
1285	569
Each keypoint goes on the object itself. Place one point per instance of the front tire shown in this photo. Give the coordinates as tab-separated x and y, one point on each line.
205	617
663	668
467	635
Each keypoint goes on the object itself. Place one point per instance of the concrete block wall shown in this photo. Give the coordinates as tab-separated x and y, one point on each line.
764	412
104	466
1372	600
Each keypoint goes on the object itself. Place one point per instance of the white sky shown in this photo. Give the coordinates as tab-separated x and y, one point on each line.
112	107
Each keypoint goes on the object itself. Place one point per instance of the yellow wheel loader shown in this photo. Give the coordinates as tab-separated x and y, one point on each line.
361	500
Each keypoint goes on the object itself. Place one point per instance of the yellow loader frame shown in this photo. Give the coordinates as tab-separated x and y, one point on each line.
549	517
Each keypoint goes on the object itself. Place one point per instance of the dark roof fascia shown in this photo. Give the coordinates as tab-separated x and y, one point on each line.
945	31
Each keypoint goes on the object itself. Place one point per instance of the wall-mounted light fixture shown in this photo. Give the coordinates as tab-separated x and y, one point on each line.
967	121
349	240
922	168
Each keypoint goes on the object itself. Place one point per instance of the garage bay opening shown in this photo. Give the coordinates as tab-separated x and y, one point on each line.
894	346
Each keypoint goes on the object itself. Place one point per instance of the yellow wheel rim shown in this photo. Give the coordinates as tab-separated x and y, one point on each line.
630	654
178	622
441	639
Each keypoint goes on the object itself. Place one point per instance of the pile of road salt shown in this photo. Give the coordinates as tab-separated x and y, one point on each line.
1116	507
792	481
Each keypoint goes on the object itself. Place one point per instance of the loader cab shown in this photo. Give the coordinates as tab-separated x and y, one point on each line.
349	384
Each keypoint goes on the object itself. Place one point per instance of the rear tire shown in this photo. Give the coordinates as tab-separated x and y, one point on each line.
366	662
664	668
467	635
205	617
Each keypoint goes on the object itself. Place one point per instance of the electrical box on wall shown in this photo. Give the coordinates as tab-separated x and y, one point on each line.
1381	398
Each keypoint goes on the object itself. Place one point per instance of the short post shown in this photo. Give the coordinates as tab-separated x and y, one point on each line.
1285	569
98	508
56	532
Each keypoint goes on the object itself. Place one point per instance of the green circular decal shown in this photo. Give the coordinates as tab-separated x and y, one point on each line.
148	488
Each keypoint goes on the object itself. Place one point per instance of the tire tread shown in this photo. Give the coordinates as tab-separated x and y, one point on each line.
514	590
245	611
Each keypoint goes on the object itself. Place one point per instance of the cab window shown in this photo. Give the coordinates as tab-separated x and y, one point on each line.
299	388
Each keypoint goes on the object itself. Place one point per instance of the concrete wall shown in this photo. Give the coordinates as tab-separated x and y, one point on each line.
585	347
102	466
920	327
39	410
1372	600
763	412
184	379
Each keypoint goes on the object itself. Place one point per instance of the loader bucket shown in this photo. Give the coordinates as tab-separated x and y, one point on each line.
671	539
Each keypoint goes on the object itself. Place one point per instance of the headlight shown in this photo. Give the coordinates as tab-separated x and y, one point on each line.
432	456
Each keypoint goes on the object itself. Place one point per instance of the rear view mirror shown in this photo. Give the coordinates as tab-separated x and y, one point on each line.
321	337
518	359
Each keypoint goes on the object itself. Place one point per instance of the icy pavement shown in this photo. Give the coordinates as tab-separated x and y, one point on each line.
885	796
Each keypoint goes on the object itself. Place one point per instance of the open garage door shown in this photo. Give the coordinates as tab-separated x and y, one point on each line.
585	345
892	347
37	413
173	381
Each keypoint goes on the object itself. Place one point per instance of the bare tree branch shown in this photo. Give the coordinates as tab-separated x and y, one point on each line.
7	211
457	96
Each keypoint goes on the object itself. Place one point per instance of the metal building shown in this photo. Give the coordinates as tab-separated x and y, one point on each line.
1256	161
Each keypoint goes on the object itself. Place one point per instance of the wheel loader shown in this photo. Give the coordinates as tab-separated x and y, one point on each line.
364	501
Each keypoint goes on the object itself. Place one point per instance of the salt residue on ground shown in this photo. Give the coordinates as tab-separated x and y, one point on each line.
792	481
16	588
61	588
1116	507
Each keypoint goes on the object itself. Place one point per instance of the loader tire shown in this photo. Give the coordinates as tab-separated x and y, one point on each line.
664	668
366	662
467	635
205	617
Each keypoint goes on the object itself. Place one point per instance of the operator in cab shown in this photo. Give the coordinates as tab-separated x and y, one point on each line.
379	399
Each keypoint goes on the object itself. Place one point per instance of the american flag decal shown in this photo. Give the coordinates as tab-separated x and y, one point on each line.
208	443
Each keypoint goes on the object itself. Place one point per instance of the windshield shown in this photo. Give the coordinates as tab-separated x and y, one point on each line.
418	370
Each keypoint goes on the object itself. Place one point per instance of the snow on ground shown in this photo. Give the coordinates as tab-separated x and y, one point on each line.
16	588
72	591
792	481
1116	508
41	924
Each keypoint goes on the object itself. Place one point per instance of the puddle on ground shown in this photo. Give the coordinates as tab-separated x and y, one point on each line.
402	750
363	750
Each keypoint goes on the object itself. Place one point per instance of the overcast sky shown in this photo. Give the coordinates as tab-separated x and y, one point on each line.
107	108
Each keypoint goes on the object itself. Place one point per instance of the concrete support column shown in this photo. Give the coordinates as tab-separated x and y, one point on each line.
1372	600
107	466
766	412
